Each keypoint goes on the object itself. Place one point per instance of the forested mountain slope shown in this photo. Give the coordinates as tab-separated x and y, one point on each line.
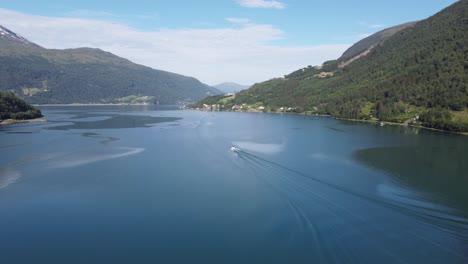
372	41
87	75
421	70
13	107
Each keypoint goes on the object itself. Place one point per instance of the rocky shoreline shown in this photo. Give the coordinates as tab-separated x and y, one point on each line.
15	121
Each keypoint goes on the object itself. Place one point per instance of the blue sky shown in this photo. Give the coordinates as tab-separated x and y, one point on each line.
274	37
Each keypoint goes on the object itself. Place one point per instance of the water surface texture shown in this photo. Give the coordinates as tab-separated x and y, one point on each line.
117	184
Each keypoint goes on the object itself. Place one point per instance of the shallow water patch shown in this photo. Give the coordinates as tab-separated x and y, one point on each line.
116	122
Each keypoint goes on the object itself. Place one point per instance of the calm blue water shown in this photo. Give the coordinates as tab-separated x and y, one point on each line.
144	185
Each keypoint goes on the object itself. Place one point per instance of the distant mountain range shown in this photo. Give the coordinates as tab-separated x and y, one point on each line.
230	87
87	75
412	73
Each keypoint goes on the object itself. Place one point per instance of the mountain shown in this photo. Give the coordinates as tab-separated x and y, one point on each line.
13	107
87	75
230	87
364	46
418	73
6	34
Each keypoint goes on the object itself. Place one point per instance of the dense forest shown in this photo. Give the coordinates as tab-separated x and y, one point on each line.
420	71
87	75
13	107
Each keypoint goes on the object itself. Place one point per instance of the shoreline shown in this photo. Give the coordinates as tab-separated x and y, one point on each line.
401	124
79	104
16	121
352	120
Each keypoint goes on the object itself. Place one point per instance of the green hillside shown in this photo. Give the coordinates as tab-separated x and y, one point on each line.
13	107
86	75
419	71
373	40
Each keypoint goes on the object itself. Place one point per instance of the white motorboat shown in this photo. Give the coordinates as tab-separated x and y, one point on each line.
234	149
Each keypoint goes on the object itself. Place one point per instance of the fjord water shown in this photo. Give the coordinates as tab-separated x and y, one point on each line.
117	184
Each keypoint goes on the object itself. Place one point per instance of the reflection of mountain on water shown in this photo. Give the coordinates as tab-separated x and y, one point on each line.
435	168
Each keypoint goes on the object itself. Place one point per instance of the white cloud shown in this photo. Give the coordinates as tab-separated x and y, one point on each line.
376	26
365	24
108	16
84	13
237	20
243	54
262	4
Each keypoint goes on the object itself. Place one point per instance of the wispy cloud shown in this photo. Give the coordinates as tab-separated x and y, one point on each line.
262	4
109	16
376	26
84	13
244	54
152	16
373	26
237	20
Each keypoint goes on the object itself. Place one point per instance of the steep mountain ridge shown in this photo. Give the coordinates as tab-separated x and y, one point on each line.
87	75
7	34
365	45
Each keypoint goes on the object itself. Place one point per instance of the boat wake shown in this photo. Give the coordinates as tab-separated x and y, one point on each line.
8	175
73	161
263	148
321	208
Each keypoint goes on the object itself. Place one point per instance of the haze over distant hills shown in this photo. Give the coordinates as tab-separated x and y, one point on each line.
415	70
230	87
87	75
